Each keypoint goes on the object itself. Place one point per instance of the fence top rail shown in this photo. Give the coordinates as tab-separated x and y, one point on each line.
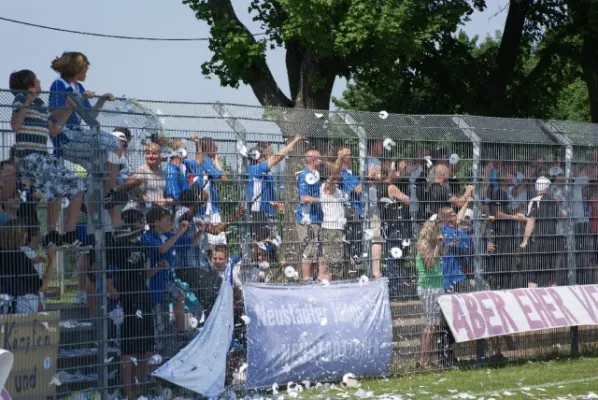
184	118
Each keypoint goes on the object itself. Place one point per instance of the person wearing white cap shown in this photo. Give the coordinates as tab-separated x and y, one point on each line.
540	241
176	181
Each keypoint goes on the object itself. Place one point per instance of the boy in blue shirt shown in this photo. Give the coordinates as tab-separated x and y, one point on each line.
309	212
159	245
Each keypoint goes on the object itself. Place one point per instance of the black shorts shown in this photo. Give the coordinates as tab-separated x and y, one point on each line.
502	264
137	334
540	264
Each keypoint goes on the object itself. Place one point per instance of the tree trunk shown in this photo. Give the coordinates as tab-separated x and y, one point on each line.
493	96
589	67
313	82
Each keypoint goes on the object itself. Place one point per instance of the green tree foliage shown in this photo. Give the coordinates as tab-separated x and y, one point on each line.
535	68
323	39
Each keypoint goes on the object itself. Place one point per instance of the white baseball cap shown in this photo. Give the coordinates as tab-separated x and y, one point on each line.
542	183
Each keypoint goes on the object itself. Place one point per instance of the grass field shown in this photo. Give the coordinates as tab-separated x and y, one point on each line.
561	379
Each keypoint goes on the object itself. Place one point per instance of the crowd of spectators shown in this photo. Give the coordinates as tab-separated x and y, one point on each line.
167	245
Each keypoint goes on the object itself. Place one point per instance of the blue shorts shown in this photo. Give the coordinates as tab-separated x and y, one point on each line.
82	235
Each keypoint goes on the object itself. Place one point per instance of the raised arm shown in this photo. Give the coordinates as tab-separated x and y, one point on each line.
198	153
395	193
18	116
183	226
463	210
276	158
459	200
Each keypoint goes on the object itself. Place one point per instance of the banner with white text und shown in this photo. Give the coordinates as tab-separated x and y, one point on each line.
317	332
480	315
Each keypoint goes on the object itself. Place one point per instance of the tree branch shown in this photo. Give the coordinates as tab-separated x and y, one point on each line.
494	93
554	45
261	80
294	58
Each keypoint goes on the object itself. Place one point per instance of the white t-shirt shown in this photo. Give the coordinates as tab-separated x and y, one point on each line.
333	209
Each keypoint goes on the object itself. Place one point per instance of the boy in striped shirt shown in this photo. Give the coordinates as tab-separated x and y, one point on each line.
33	127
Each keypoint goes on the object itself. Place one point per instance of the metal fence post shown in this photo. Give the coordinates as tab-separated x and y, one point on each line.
561	138
98	217
478	242
242	161
365	186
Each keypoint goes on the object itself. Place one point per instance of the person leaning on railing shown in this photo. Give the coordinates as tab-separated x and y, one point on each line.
147	184
33	126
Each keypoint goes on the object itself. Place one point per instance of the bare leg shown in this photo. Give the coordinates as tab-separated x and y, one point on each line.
92	299
306	270
425	347
127	371
179	313
142	371
53	214
112	172
376	260
322	272
82	268
72	212
495	342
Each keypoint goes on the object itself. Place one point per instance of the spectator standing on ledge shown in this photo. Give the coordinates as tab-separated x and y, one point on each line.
76	143
158	243
540	241
33	126
128	260
504	231
332	233
350	185
149	181
206	170
309	212
263	204
374	166
429	286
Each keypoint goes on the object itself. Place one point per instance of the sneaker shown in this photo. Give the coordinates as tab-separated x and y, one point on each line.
80	298
127	231
115	198
53	238
71	240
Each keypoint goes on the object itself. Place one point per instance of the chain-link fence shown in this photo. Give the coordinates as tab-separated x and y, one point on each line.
164	195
